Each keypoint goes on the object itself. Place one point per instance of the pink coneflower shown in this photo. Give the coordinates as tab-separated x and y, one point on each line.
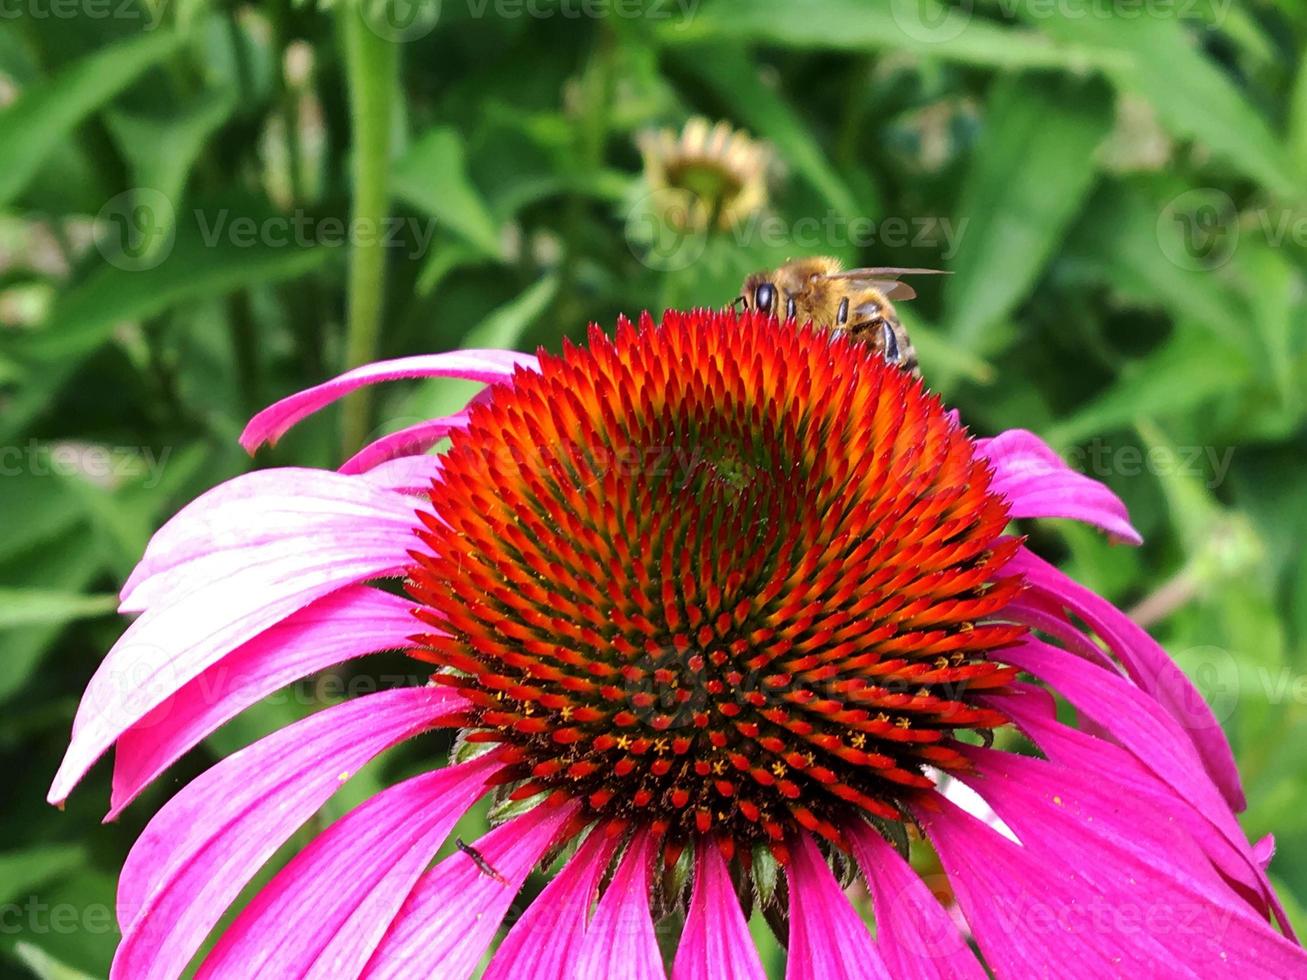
725	611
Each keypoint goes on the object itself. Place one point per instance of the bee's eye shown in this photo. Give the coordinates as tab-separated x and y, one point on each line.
842	315
892	353
791	308
763	297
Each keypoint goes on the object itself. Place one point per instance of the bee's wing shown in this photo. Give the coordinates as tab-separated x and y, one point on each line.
885	279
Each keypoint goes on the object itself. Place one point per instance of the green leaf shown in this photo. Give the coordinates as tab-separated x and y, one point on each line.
1046	129
730	73
1208	368
162	151
47	113
922	27
23	871
85	316
432	176
504	327
1194	98
41	607
46	967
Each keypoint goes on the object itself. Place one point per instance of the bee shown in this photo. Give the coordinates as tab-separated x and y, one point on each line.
856	300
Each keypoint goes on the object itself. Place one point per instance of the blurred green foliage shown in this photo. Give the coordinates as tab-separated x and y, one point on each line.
1118	191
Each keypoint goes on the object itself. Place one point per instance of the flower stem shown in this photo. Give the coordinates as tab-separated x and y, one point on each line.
372	69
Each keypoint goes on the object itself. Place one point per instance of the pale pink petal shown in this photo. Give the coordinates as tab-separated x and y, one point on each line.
546	941
205	845
406	442
1037	483
1149	666
962	795
621	941
828	939
487	366
1144	883
347	623
715	943
324	913
253	518
916	936
206	611
407	474
448	920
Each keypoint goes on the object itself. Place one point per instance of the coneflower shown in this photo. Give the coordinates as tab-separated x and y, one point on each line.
725	612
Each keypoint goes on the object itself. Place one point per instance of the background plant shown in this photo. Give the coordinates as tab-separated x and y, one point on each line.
205	207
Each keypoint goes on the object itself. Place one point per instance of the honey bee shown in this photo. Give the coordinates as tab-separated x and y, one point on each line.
856	300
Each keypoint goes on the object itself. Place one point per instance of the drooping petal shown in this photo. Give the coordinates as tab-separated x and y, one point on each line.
1028	912
409	441
546	941
828	939
209	841
487	366
1038	483
1149	666
1221	839
254	518
1147	883
324	913
621	941
449	918
715	944
916	936
1130	716
217	578
347	623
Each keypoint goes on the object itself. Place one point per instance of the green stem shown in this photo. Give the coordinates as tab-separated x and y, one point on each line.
372	68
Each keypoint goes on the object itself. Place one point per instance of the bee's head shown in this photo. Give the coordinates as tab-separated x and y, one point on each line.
759	293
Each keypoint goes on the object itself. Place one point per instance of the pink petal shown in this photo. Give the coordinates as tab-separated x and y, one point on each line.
407	474
917	938
1215	832
1264	851
406	442
546	941
487	366
253	518
448	920
1129	715
200	850
324	913
1142	883
347	623
1027	911
621	941
208	603
1149	666
1038	483
715	943
828	939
